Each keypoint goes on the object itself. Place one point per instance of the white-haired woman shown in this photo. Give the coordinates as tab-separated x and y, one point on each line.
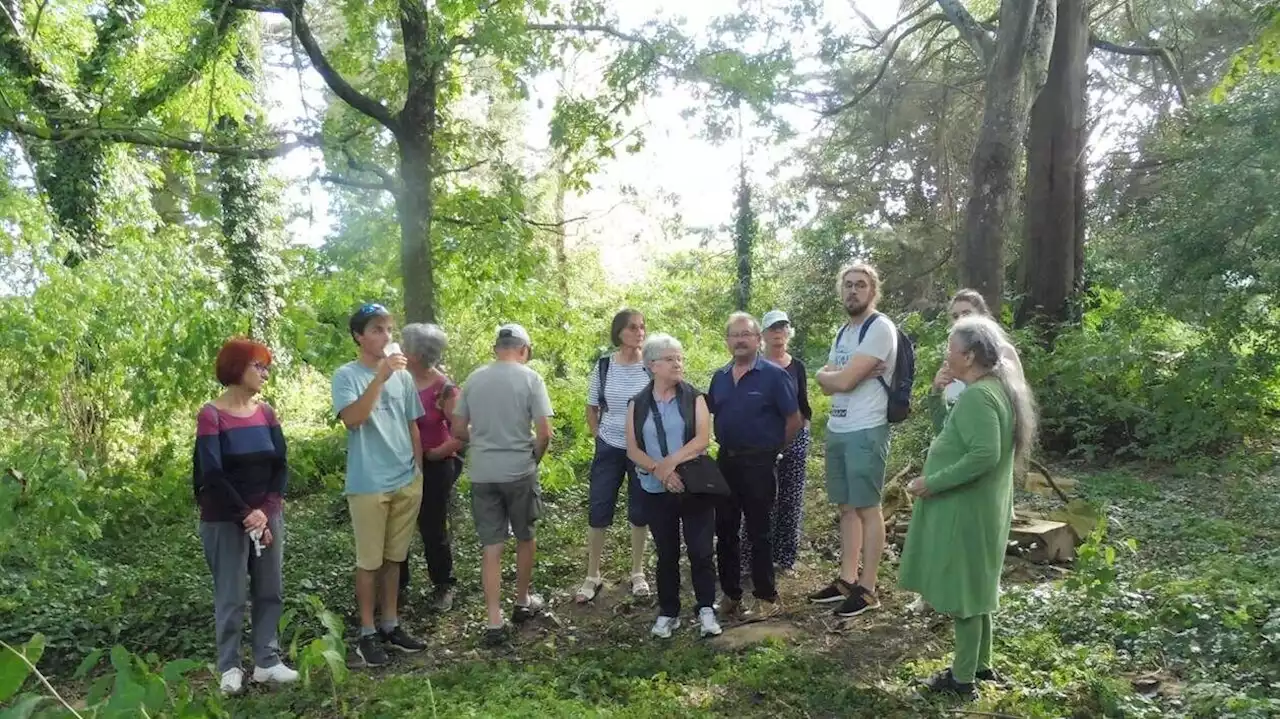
424	346
955	545
668	424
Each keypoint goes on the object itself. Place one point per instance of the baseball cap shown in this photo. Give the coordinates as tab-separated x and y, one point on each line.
773	317
516	331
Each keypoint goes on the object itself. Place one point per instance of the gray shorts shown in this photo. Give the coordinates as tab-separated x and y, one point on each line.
501	509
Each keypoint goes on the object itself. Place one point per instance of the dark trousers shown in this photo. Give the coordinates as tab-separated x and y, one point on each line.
753	487
667	513
438	482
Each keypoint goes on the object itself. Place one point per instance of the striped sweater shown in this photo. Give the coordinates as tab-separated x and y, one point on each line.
240	464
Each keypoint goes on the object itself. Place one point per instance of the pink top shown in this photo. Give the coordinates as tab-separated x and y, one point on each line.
434	426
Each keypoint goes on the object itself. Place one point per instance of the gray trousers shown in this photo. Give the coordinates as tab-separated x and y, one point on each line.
229	552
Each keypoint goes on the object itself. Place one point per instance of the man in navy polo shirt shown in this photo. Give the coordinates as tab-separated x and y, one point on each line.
756	415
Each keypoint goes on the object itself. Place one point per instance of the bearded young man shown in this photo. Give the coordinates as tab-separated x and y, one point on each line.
861	361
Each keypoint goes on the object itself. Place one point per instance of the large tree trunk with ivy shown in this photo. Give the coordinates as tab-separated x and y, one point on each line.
247	238
1054	210
1015	74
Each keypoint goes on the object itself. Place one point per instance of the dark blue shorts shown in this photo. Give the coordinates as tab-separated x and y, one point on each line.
608	469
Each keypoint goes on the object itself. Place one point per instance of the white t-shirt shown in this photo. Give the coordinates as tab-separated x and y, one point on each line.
867	406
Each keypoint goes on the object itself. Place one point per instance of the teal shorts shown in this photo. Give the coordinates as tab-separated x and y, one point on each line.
855	466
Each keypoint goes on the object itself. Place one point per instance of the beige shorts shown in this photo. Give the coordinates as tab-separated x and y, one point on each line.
384	524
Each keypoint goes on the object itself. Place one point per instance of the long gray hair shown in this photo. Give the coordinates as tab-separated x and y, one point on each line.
982	337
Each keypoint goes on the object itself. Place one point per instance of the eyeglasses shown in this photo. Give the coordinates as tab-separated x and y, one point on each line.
674	359
370	308
262	368
742	335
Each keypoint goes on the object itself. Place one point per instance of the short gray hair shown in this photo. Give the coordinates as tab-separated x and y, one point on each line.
737	317
424	342
656	346
984	338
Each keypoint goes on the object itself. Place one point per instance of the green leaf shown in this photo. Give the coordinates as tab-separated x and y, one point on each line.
174	671
13	670
24	708
88	664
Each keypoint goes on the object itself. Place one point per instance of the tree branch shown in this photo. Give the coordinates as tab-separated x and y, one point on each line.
597	29
884	65
389	181
358	184
293	10
464	168
969	29
1166	59
154	138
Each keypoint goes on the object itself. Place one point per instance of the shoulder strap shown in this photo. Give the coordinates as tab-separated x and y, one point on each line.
657	424
866	325
602	367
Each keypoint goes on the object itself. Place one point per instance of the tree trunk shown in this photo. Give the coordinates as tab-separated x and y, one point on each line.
743	239
253	264
1054	209
1026	29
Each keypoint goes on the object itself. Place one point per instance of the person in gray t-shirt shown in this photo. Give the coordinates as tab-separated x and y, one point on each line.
504	413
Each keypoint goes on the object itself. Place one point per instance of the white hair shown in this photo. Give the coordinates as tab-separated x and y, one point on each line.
985	340
657	345
424	342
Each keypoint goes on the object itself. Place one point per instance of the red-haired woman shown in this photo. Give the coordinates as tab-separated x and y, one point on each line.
239	480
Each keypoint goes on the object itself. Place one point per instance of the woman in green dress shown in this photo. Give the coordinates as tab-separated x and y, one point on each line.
955	544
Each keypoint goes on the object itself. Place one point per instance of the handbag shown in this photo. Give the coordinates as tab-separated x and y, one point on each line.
700	475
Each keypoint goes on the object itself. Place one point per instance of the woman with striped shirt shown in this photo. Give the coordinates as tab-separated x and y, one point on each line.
615	379
240	473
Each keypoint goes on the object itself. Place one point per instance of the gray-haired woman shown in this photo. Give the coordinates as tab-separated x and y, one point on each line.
667	424
424	346
955	544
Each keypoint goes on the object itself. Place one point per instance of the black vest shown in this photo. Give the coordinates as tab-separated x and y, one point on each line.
686	398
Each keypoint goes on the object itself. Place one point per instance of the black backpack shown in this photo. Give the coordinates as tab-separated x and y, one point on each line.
904	371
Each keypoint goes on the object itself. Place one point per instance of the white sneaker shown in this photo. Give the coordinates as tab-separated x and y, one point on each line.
710	627
279	674
663	628
232	681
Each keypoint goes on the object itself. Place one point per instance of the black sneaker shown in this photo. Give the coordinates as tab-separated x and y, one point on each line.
525	612
945	683
861	600
370	651
836	591
401	641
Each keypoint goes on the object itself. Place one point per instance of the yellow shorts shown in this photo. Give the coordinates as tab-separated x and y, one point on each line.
383	524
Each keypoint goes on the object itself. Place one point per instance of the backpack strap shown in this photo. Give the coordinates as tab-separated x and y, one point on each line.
602	366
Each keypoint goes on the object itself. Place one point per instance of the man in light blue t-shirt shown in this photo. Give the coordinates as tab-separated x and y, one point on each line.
377	401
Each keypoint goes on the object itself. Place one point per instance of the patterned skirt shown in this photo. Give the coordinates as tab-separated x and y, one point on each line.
786	520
